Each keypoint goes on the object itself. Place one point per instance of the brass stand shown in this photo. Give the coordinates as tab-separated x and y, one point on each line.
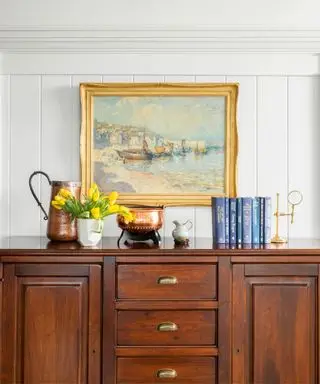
276	238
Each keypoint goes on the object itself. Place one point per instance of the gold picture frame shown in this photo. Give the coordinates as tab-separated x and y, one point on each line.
101	105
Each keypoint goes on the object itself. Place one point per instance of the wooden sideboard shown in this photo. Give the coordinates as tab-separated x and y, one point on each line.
143	315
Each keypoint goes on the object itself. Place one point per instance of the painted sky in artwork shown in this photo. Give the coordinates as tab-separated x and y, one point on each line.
175	117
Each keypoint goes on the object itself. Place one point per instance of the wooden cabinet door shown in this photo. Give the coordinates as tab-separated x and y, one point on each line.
51	324
275	320
1	284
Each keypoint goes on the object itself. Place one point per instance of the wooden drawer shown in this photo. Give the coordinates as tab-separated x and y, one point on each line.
167	281
167	327
136	370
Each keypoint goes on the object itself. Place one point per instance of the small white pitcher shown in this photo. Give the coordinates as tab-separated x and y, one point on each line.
89	231
181	231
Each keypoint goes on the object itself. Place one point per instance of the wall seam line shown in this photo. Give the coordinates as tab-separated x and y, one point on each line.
40	147
9	156
287	149
256	152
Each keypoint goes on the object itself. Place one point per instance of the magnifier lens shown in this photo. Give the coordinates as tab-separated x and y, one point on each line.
294	197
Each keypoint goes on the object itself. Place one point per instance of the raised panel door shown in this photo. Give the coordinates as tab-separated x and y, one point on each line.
51	318
274	324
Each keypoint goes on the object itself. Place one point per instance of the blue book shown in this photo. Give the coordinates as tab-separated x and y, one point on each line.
227	220
262	203
246	220
233	220
239	220
251	246
267	220
256	220
218	219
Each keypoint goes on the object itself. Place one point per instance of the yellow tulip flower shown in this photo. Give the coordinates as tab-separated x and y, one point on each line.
95	212
113	197
56	205
65	193
95	196
123	209
113	208
128	216
92	190
60	200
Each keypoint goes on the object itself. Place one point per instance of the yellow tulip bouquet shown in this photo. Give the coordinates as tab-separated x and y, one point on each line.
94	205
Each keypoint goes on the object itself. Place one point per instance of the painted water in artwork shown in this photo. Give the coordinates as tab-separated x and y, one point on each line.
152	144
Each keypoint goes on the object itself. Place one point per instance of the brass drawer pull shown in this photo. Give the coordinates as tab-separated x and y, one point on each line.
166	280
167	327
167	373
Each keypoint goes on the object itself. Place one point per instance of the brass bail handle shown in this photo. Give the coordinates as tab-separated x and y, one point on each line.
34	194
167	373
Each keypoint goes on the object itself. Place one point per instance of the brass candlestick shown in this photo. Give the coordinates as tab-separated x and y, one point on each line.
294	198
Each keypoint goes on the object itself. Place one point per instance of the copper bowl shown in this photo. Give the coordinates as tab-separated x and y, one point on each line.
146	219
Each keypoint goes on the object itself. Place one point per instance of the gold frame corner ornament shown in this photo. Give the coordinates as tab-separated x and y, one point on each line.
229	90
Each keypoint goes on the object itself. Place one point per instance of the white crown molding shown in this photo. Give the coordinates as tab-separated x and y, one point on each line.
159	39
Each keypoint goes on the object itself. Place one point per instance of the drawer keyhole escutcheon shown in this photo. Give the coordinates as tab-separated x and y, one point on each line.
167	280
167	327
167	373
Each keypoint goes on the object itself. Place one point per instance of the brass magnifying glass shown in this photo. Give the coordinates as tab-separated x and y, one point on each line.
294	198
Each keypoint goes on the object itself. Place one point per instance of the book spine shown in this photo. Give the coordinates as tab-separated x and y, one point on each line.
251	246
255	220
220	246
267	220
239	220
233	220
262	203
218	219
247	220
213	219
227	220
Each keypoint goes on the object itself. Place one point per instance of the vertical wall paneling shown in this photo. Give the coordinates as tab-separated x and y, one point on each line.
303	153
278	117
202	222
5	154
24	153
57	132
247	136
76	120
272	175
203	217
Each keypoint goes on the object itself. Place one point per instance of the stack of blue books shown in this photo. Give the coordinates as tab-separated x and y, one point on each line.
241	220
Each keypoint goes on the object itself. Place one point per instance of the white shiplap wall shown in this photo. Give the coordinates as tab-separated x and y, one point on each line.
278	124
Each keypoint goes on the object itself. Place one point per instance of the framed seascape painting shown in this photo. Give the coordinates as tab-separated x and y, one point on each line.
160	144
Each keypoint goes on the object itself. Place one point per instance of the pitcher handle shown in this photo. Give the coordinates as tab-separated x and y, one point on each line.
34	194
191	225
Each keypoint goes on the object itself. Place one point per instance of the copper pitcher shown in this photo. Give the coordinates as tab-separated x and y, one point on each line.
59	227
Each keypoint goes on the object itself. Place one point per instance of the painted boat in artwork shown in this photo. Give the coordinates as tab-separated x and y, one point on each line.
160	149
134	154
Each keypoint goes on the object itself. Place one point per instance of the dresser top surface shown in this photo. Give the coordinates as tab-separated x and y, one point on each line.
109	245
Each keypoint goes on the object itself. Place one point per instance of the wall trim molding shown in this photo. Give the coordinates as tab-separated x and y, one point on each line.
159	39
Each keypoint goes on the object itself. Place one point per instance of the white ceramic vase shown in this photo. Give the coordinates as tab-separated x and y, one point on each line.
89	231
